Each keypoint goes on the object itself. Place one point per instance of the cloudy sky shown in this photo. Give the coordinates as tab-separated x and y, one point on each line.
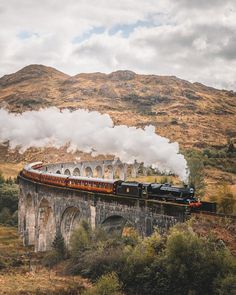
191	39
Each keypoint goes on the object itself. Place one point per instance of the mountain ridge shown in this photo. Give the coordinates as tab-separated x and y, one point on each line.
46	69
191	113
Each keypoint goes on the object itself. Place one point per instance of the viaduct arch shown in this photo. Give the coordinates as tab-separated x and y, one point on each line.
99	169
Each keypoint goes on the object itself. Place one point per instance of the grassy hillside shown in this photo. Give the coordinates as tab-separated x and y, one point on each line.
191	113
198	117
22	273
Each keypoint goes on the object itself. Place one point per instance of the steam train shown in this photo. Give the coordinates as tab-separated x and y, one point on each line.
155	191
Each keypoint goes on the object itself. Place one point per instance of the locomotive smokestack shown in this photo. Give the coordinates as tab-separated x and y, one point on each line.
91	132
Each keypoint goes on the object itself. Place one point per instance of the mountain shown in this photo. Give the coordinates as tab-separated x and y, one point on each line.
192	114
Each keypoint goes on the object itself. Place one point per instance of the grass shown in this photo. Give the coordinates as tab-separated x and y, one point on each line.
19	276
10	169
41	282
10	243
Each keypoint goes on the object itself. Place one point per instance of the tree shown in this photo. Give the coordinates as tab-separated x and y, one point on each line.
9	196
5	216
188	265
2	180
231	148
196	175
226	200
9	181
58	252
59	245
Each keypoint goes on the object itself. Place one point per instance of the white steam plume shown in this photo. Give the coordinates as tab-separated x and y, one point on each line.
91	132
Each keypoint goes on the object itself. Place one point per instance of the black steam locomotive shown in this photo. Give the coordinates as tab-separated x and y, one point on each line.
156	191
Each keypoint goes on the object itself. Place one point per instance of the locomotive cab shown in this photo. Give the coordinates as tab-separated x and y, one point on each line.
132	189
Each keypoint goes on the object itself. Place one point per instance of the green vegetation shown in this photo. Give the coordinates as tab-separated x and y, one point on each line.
107	285
226	200
196	171
180	263
8	201
223	158
58	252
59	245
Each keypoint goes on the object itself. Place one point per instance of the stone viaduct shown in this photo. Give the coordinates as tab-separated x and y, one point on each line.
99	169
45	210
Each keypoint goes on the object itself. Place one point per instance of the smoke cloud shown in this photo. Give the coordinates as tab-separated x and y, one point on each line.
91	132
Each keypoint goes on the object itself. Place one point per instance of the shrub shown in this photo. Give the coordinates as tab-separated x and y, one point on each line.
227	286
81	239
9	196
154	279
226	200
5	216
100	258
51	259
8	201
14	218
187	265
178	263
107	285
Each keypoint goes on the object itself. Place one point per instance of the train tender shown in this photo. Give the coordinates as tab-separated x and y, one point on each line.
156	191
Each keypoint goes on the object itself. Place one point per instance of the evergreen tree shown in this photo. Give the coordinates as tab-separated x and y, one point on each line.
59	244
2	180
231	148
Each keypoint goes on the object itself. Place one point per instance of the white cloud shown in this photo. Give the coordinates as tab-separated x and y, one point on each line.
194	40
